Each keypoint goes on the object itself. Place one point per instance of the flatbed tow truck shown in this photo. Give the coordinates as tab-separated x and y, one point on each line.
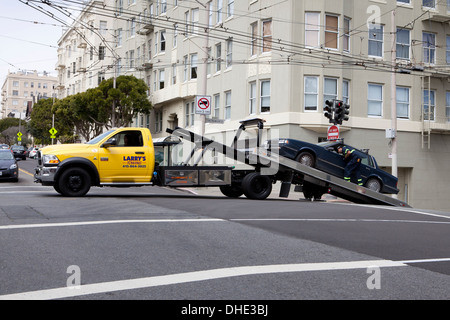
314	183
104	161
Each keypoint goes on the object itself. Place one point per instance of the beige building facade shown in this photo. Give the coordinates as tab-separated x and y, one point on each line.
281	60
23	88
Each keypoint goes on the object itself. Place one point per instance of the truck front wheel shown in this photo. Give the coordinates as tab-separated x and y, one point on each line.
74	182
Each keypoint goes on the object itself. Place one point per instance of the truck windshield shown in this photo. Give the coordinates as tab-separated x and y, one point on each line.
100	137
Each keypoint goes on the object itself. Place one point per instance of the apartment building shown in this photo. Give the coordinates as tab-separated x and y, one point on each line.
85	55
281	60
23	88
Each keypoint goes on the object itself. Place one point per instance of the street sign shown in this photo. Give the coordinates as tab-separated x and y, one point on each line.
203	105
19	134
333	133
19	139
53	131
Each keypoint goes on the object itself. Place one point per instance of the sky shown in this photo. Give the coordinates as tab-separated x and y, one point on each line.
28	38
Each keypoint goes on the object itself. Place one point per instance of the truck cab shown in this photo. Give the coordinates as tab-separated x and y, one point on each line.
123	156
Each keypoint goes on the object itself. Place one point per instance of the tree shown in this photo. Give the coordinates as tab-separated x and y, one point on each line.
124	102
41	122
8	136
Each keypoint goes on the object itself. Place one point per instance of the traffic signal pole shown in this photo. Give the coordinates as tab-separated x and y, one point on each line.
393	97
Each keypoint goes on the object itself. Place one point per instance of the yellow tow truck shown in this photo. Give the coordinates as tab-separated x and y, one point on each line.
123	157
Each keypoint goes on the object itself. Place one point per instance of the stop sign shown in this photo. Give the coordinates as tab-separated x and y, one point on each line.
333	133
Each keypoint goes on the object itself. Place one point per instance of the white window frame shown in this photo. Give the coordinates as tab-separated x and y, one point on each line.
378	102
311	93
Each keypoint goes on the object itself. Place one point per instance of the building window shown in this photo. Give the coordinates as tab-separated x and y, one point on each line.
403	44
216	106
331	32
101	53
265	96
447	106
189	114
429	104
429	3
161	78
402	102
174	73
230	8
194	21
185	68
346	91
375	40
375	100
218	57
429	47
330	89
267	35
229	58
162	43
133	27
131	59
175	35
103	28
210	14
228	105
252	98
194	62
346	35
447	49
158	121
254	40
311	93
312	28
219	11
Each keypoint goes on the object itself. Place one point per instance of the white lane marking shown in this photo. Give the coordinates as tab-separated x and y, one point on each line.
85	223
397	209
342	220
96	288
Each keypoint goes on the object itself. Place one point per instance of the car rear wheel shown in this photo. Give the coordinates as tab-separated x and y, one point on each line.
74	182
306	158
373	184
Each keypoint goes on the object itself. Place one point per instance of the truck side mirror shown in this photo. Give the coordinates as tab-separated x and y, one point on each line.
108	143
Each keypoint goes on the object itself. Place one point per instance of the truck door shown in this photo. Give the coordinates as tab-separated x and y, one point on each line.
127	160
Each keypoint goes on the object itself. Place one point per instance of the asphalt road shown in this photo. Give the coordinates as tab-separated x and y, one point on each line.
153	243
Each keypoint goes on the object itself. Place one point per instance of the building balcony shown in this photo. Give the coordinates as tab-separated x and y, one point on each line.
146	28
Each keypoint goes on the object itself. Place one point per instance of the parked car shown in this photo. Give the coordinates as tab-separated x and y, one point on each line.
33	152
9	169
19	152
324	156
4	146
28	151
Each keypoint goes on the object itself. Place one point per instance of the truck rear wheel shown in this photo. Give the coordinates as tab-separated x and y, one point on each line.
232	191
256	186
74	182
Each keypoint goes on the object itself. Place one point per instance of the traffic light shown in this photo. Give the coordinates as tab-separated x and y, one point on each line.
329	110
341	112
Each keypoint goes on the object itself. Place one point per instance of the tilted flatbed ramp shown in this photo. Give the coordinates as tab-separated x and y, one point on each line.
334	185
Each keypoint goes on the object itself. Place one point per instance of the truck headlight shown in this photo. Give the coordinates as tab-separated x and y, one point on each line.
50	159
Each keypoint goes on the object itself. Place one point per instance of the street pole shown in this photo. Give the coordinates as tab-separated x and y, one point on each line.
394	97
203	67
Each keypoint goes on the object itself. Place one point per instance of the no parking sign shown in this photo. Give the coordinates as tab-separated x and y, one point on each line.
203	105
